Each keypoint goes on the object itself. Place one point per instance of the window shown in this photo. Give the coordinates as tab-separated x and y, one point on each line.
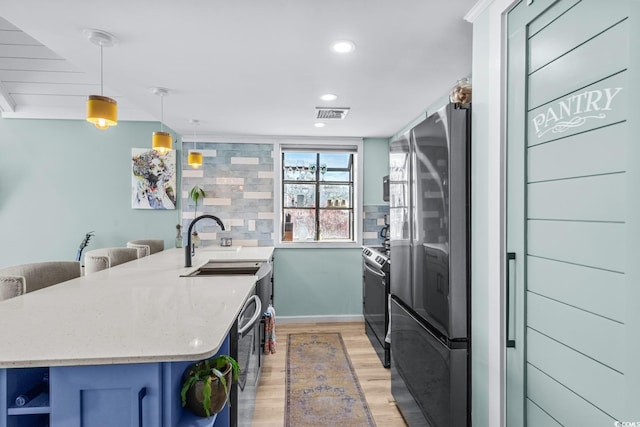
319	194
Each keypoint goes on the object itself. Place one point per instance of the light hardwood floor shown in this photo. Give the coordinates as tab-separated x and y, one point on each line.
374	379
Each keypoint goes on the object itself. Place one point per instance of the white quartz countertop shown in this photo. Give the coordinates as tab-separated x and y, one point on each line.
232	253
140	311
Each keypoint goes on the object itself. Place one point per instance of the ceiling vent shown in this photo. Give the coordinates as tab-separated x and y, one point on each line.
331	113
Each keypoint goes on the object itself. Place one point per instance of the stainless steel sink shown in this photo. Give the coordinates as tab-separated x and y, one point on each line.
226	268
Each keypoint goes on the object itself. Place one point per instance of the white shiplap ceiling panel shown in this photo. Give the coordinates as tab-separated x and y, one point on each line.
58	77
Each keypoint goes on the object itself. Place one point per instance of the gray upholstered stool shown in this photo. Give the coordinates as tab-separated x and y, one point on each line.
101	259
39	275
11	286
146	247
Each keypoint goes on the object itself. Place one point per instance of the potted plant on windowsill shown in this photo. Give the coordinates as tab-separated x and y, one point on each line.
206	384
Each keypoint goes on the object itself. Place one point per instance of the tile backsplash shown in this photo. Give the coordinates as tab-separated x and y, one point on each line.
238	182
373	223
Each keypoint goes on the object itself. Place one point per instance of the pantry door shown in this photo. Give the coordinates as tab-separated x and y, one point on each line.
572	192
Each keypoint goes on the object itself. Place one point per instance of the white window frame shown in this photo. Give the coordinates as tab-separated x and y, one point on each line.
318	144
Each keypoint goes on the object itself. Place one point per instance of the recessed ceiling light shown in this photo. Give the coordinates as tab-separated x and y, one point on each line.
329	97
319	125
343	46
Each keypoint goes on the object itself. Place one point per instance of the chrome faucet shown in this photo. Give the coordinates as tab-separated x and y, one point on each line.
188	248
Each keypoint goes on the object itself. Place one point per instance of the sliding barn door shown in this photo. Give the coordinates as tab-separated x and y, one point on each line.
572	166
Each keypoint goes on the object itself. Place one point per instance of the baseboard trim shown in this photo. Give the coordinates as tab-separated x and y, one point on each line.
342	318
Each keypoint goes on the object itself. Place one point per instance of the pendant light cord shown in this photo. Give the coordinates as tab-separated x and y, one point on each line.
101	71
195	144
161	113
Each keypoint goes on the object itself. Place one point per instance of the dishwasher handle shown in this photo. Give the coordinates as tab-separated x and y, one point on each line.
256	316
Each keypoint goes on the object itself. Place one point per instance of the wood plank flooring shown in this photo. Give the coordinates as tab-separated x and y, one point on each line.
374	379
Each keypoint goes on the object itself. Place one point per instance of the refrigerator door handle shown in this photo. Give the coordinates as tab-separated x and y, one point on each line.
511	256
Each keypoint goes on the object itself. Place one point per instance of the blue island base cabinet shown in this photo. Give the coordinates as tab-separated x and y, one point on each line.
121	395
131	395
106	395
136	395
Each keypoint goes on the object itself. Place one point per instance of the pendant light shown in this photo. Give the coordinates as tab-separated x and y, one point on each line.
161	141
194	159
102	111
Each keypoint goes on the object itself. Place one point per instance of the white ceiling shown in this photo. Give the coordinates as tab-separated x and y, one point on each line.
244	67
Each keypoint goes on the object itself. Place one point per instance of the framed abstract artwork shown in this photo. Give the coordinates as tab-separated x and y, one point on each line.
153	179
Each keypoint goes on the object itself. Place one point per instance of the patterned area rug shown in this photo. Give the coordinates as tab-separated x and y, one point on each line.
322	387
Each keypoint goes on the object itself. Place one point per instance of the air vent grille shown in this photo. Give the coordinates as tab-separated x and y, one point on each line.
331	113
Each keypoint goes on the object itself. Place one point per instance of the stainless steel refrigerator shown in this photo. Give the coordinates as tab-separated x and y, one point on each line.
429	200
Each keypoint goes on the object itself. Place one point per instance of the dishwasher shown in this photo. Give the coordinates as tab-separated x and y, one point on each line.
247	348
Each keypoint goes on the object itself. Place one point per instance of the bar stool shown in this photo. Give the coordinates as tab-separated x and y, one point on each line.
146	247
11	286
101	259
39	275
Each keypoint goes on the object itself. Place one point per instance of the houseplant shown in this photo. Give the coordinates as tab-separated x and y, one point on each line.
206	384
196	193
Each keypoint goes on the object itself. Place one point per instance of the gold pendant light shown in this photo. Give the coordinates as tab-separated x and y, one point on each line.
102	111
194	159
161	141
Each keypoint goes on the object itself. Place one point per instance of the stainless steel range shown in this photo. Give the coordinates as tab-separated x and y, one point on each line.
375	299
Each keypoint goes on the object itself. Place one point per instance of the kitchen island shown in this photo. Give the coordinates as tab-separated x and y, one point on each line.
124	334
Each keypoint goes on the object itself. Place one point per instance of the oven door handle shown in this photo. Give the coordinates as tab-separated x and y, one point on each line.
376	272
246	328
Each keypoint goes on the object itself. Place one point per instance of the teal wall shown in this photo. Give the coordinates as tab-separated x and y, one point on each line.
318	282
328	282
480	366
62	178
376	165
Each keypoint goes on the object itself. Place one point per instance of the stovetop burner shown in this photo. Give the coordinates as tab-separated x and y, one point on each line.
375	255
